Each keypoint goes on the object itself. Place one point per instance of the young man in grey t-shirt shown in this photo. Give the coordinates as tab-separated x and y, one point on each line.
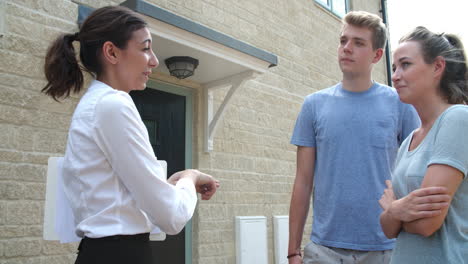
347	137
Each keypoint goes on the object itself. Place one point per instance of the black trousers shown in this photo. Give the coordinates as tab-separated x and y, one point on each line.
120	249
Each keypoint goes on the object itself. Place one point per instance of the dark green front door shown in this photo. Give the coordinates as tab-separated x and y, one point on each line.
164	116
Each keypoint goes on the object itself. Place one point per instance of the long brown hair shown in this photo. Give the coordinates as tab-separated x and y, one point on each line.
62	69
453	85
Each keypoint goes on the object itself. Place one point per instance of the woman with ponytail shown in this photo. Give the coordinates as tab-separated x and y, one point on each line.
426	204
111	176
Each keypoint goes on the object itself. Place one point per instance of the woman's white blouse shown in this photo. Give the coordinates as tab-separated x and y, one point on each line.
110	172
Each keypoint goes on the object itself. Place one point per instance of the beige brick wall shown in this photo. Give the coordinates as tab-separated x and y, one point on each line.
252	156
32	128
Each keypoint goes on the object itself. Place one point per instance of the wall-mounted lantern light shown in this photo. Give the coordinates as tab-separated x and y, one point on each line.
181	66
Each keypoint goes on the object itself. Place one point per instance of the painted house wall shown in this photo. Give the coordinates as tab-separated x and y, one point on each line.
252	156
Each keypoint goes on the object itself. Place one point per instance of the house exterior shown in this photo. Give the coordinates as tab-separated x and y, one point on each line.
257	61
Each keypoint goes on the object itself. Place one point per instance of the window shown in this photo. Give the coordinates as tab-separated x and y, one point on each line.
337	7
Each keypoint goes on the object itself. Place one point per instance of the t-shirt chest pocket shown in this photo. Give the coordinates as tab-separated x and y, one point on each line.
417	170
383	133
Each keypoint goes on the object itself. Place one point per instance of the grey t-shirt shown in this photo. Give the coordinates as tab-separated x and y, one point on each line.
356	136
446	143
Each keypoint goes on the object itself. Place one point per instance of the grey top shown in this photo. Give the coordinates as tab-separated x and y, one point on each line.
446	143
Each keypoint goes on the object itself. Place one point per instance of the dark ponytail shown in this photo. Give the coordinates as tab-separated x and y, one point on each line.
456	75
62	70
453	85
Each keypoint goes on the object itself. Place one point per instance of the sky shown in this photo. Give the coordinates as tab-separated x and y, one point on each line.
448	16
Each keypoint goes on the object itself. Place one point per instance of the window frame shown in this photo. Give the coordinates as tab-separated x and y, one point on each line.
329	6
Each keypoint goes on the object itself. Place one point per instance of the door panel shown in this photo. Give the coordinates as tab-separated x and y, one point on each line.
164	116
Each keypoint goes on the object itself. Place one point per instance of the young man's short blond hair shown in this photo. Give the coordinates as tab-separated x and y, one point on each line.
372	22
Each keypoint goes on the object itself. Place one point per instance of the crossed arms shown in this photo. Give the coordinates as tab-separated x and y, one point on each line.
423	210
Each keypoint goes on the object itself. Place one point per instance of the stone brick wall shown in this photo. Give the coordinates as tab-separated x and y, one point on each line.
252	156
32	128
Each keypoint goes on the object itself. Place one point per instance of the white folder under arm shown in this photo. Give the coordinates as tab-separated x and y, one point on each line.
59	222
